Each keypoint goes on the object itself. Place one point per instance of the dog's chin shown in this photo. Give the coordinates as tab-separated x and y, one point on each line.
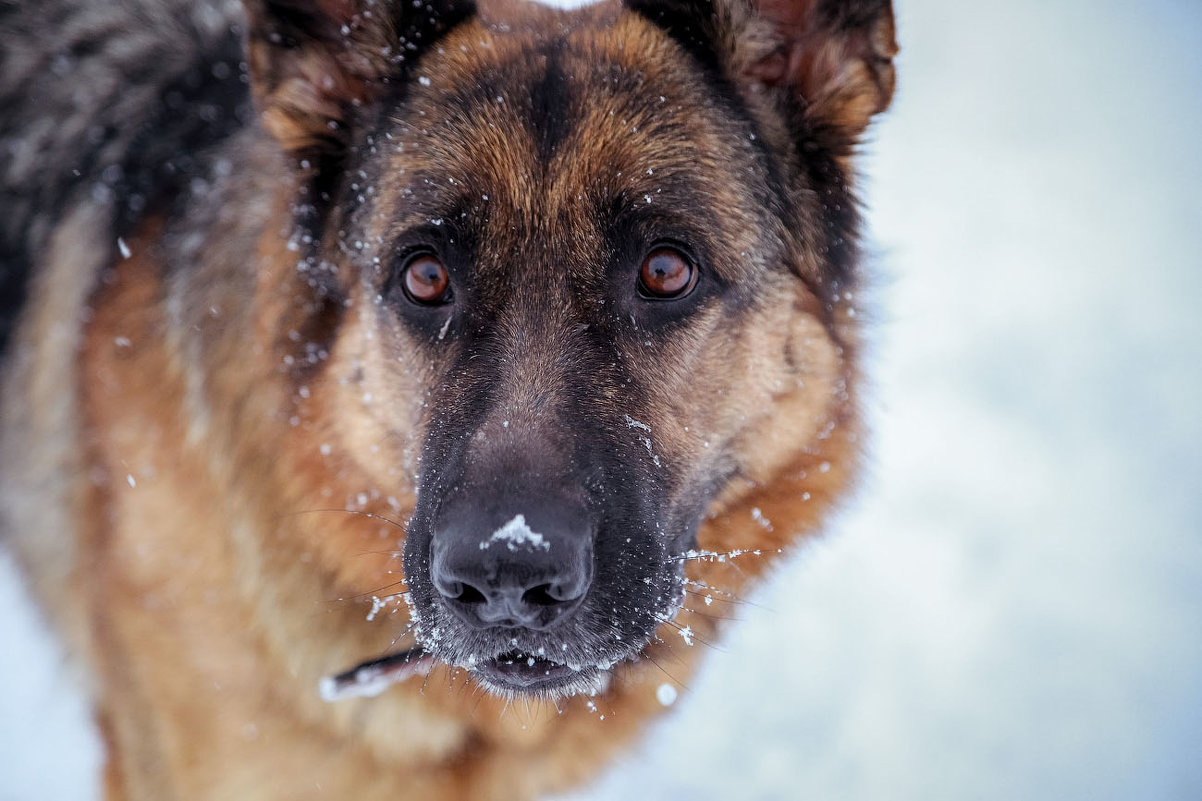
516	673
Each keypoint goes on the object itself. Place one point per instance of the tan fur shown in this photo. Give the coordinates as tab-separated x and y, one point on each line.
171	478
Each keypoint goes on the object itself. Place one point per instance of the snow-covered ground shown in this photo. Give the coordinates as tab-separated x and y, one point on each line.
1012	609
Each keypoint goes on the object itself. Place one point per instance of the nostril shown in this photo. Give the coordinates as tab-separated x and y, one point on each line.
458	591
562	592
446	586
470	595
574	584
542	595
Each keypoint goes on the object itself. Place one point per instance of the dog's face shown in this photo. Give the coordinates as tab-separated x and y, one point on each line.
576	285
582	279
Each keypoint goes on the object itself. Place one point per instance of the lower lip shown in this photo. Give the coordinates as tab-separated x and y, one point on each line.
524	672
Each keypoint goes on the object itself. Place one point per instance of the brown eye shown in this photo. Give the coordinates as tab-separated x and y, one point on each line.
666	273
426	280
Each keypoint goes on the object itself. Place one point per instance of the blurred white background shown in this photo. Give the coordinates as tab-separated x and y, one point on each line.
1012	607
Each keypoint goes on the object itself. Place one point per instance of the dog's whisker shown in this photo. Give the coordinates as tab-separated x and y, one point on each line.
688	634
478	692
710	588
374	593
726	596
706	615
670	649
714	556
391	595
404	632
425	681
708	599
663	670
357	512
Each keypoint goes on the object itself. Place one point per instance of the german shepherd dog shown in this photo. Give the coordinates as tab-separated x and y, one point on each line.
395	390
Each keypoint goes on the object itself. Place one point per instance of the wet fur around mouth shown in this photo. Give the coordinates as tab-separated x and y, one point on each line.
307	302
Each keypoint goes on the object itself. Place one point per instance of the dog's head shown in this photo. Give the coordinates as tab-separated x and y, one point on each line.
584	278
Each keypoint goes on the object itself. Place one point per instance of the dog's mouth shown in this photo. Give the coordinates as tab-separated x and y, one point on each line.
523	670
519	672
511	673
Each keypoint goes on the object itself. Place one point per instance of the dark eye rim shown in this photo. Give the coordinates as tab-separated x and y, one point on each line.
407	260
685	253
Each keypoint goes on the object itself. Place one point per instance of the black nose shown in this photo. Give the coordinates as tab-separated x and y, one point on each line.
528	569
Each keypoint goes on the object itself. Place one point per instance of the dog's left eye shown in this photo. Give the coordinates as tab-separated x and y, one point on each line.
666	274
426	280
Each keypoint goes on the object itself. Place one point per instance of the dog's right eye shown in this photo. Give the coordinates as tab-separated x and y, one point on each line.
426	280
666	274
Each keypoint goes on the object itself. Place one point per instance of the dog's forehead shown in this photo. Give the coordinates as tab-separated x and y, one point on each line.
549	125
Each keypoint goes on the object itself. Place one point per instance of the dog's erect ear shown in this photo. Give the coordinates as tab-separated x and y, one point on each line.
313	61
834	56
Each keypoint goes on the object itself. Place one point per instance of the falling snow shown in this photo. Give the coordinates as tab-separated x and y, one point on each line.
880	642
665	694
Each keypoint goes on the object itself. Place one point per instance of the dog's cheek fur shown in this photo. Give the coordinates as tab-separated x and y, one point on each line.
775	380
